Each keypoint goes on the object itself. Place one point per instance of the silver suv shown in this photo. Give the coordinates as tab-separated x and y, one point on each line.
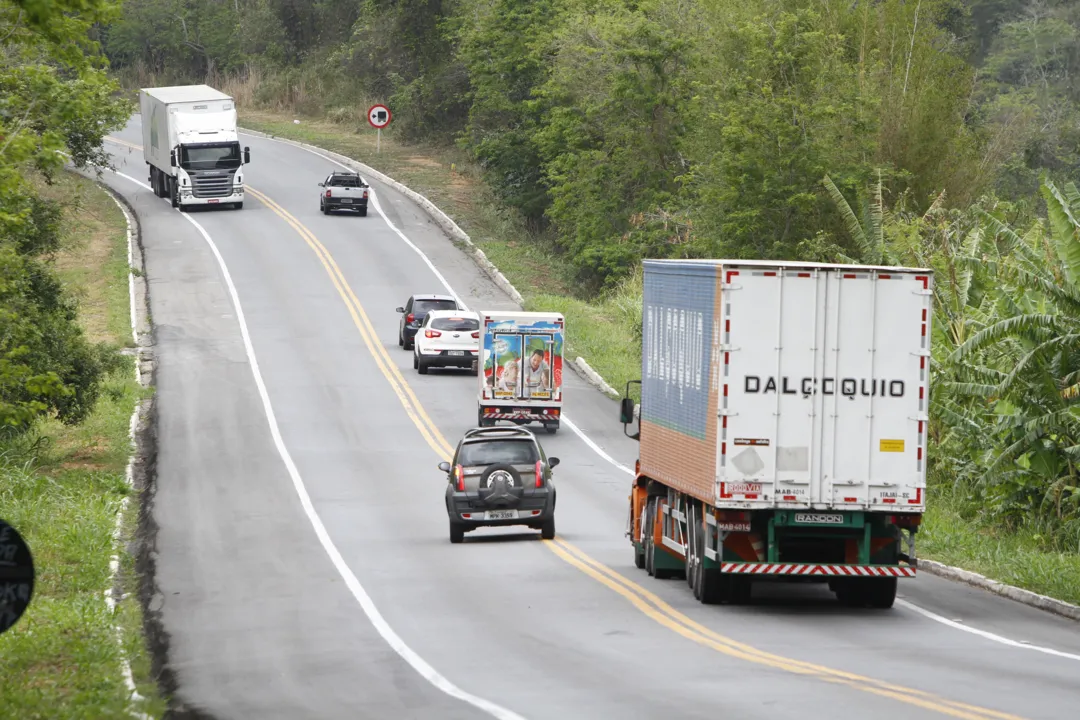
499	476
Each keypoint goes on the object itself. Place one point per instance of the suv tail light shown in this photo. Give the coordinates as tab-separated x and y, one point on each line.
539	474
409	318
432	333
476	335
327	193
459	473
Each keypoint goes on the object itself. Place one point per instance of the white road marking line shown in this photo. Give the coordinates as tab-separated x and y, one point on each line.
984	634
378	208
392	638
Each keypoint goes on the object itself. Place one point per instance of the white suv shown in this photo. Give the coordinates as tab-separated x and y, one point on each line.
447	338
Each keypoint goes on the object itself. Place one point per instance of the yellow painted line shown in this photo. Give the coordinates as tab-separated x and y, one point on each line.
624	586
412	406
645	601
386	365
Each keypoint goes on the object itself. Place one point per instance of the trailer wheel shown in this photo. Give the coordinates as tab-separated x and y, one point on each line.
880	593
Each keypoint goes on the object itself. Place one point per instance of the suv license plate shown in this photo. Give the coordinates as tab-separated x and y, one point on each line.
346	201
212	201
500	515
456	352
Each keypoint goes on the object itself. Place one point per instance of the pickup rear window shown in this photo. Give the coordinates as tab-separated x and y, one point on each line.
455	324
344	182
515	452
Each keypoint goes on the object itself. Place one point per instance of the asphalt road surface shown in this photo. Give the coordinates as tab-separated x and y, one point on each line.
303	556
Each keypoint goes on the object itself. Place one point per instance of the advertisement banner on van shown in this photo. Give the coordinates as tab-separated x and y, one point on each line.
523	361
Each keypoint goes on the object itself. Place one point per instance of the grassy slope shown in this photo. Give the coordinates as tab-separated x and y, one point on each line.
62	492
603	331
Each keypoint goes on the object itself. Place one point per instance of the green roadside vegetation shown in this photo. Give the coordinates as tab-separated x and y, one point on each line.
573	138
61	486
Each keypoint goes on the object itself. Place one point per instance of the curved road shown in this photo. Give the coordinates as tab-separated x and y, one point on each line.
303	559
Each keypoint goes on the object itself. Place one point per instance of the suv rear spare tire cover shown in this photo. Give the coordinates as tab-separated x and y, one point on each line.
501	486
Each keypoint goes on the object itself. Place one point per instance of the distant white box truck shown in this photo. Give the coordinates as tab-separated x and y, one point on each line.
783	425
191	144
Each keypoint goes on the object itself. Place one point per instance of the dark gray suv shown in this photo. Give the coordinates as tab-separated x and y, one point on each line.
499	476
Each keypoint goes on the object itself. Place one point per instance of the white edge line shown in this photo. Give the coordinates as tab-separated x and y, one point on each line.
983	633
367	605
129	477
378	208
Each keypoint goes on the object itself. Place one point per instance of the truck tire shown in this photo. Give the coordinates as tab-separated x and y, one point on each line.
658	573
551	428
880	593
457	533
238	206
174	192
363	212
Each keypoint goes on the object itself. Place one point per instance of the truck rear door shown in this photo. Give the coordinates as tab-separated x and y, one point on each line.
826	373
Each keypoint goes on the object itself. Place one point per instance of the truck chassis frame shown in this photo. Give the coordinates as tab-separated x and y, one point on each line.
721	553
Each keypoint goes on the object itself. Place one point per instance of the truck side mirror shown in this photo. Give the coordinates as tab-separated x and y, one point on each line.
247	155
444	466
626	411
172	158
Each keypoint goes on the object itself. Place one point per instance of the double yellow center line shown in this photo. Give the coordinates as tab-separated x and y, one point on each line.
644	600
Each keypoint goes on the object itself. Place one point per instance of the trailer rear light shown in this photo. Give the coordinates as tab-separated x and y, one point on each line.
476	335
327	193
906	521
459	473
432	334
539	474
409	318
733	516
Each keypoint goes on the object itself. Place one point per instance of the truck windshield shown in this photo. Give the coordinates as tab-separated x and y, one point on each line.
210	157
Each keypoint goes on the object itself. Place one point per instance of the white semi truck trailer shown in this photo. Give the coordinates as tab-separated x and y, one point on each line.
191	144
783	426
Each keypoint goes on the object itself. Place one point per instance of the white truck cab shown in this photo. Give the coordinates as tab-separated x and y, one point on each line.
191	143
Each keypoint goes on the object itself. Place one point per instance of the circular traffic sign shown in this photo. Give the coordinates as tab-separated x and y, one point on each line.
16	576
379	116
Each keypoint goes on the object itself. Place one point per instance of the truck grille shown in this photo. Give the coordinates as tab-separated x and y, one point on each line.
212	186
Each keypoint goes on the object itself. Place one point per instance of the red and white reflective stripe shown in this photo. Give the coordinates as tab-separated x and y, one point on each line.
803	569
519	416
726	314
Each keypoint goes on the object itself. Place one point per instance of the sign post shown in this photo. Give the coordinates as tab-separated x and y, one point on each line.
379	117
